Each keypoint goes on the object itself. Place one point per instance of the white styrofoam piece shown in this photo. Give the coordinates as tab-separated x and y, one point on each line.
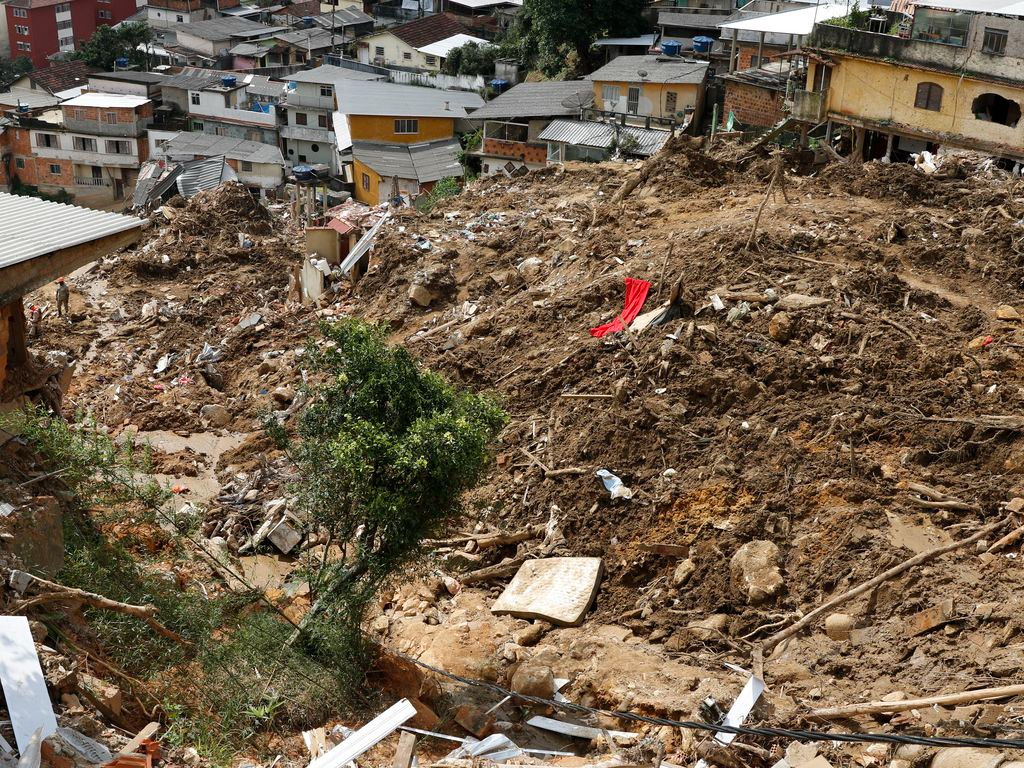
378	729
741	708
579	731
23	682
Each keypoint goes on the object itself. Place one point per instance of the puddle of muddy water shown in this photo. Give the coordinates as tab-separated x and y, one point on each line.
203	488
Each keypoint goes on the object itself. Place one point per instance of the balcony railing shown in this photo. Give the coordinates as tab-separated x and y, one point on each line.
91	181
809	106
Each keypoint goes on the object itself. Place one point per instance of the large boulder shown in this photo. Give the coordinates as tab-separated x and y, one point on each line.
755	571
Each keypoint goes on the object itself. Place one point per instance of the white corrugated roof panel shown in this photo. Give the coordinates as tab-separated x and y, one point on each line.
1001	7
798	22
443	47
106	100
30	227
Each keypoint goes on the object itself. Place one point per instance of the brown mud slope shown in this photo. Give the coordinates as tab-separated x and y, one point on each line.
801	427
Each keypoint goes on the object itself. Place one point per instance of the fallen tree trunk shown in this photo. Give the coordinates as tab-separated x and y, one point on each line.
860	589
888	707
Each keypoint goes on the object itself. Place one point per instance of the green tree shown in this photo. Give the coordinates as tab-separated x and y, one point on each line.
384	450
108	44
12	69
568	28
471	59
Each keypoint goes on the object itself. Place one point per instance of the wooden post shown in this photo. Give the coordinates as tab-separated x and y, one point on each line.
732	54
760	50
859	137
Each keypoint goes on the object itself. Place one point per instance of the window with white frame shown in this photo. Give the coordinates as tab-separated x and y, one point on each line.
407	126
111	118
54	169
104	14
20	13
62	8
994	40
21	29
83	144
23	46
610	95
194	98
65	25
326	91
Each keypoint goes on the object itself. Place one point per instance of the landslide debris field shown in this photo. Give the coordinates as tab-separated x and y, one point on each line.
847	393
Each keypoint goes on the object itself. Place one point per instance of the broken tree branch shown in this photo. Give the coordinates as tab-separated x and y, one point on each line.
1010	538
860	589
888	707
548	471
490	540
57	592
501	570
932	498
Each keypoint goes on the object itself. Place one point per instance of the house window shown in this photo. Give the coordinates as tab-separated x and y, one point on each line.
24	46
407	126
54	169
83	144
111	118
302	158
21	29
64	25
432	60
610	96
327	91
46	140
247	166
929	96
63	8
994	108
19	162
300	118
670	102
118	148
379	51
104	14
20	13
366	181
633	100
179	18
197	125
78	113
994	41
194	98
321	120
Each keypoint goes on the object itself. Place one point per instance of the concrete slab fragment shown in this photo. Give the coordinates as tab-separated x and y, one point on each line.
557	589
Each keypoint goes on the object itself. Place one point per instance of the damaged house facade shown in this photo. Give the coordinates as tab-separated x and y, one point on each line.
957	79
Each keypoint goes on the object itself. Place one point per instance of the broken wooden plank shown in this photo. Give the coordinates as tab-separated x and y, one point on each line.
889	707
375	731
406	750
24	685
930	618
577	731
146	733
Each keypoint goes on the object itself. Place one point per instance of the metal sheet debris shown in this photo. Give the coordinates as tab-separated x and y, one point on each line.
556	589
578	731
24	686
741	708
366	737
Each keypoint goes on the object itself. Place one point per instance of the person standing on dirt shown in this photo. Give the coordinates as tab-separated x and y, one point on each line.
35	322
63	297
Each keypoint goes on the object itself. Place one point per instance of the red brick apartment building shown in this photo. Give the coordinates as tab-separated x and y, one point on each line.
38	29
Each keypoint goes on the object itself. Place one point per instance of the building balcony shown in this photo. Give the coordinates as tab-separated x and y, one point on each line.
526	151
84	157
809	106
295	99
91	181
939	53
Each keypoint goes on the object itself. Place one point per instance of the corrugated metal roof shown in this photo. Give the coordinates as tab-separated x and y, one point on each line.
31	99
392	100
343	17
656	69
328	75
30	227
585	133
204	174
341	227
188	145
106	100
223	27
422	162
443	47
546	99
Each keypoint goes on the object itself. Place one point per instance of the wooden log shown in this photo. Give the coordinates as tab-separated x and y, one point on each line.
893	572
888	707
505	568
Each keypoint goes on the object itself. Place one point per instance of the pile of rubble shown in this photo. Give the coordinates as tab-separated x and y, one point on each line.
797	462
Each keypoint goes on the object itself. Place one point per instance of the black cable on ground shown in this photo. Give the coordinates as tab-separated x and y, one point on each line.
786	733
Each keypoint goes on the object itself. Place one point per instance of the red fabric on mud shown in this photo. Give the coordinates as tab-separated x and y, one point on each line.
636	295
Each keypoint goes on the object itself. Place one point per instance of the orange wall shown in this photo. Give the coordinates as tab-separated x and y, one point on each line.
365	196
373	128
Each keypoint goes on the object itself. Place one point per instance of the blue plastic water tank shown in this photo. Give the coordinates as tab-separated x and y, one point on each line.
671	47
307	21
702	44
229	81
121	61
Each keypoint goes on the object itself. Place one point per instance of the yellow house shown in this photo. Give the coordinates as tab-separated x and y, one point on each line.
667	89
398	139
905	94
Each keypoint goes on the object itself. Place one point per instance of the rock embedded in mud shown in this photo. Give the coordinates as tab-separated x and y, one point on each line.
683	572
283	395
838	626
529	635
755	571
780	327
215	415
419	295
966	757
531	679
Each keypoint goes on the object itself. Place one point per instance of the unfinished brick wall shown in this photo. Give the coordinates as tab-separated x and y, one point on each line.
12	338
747	52
752	105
